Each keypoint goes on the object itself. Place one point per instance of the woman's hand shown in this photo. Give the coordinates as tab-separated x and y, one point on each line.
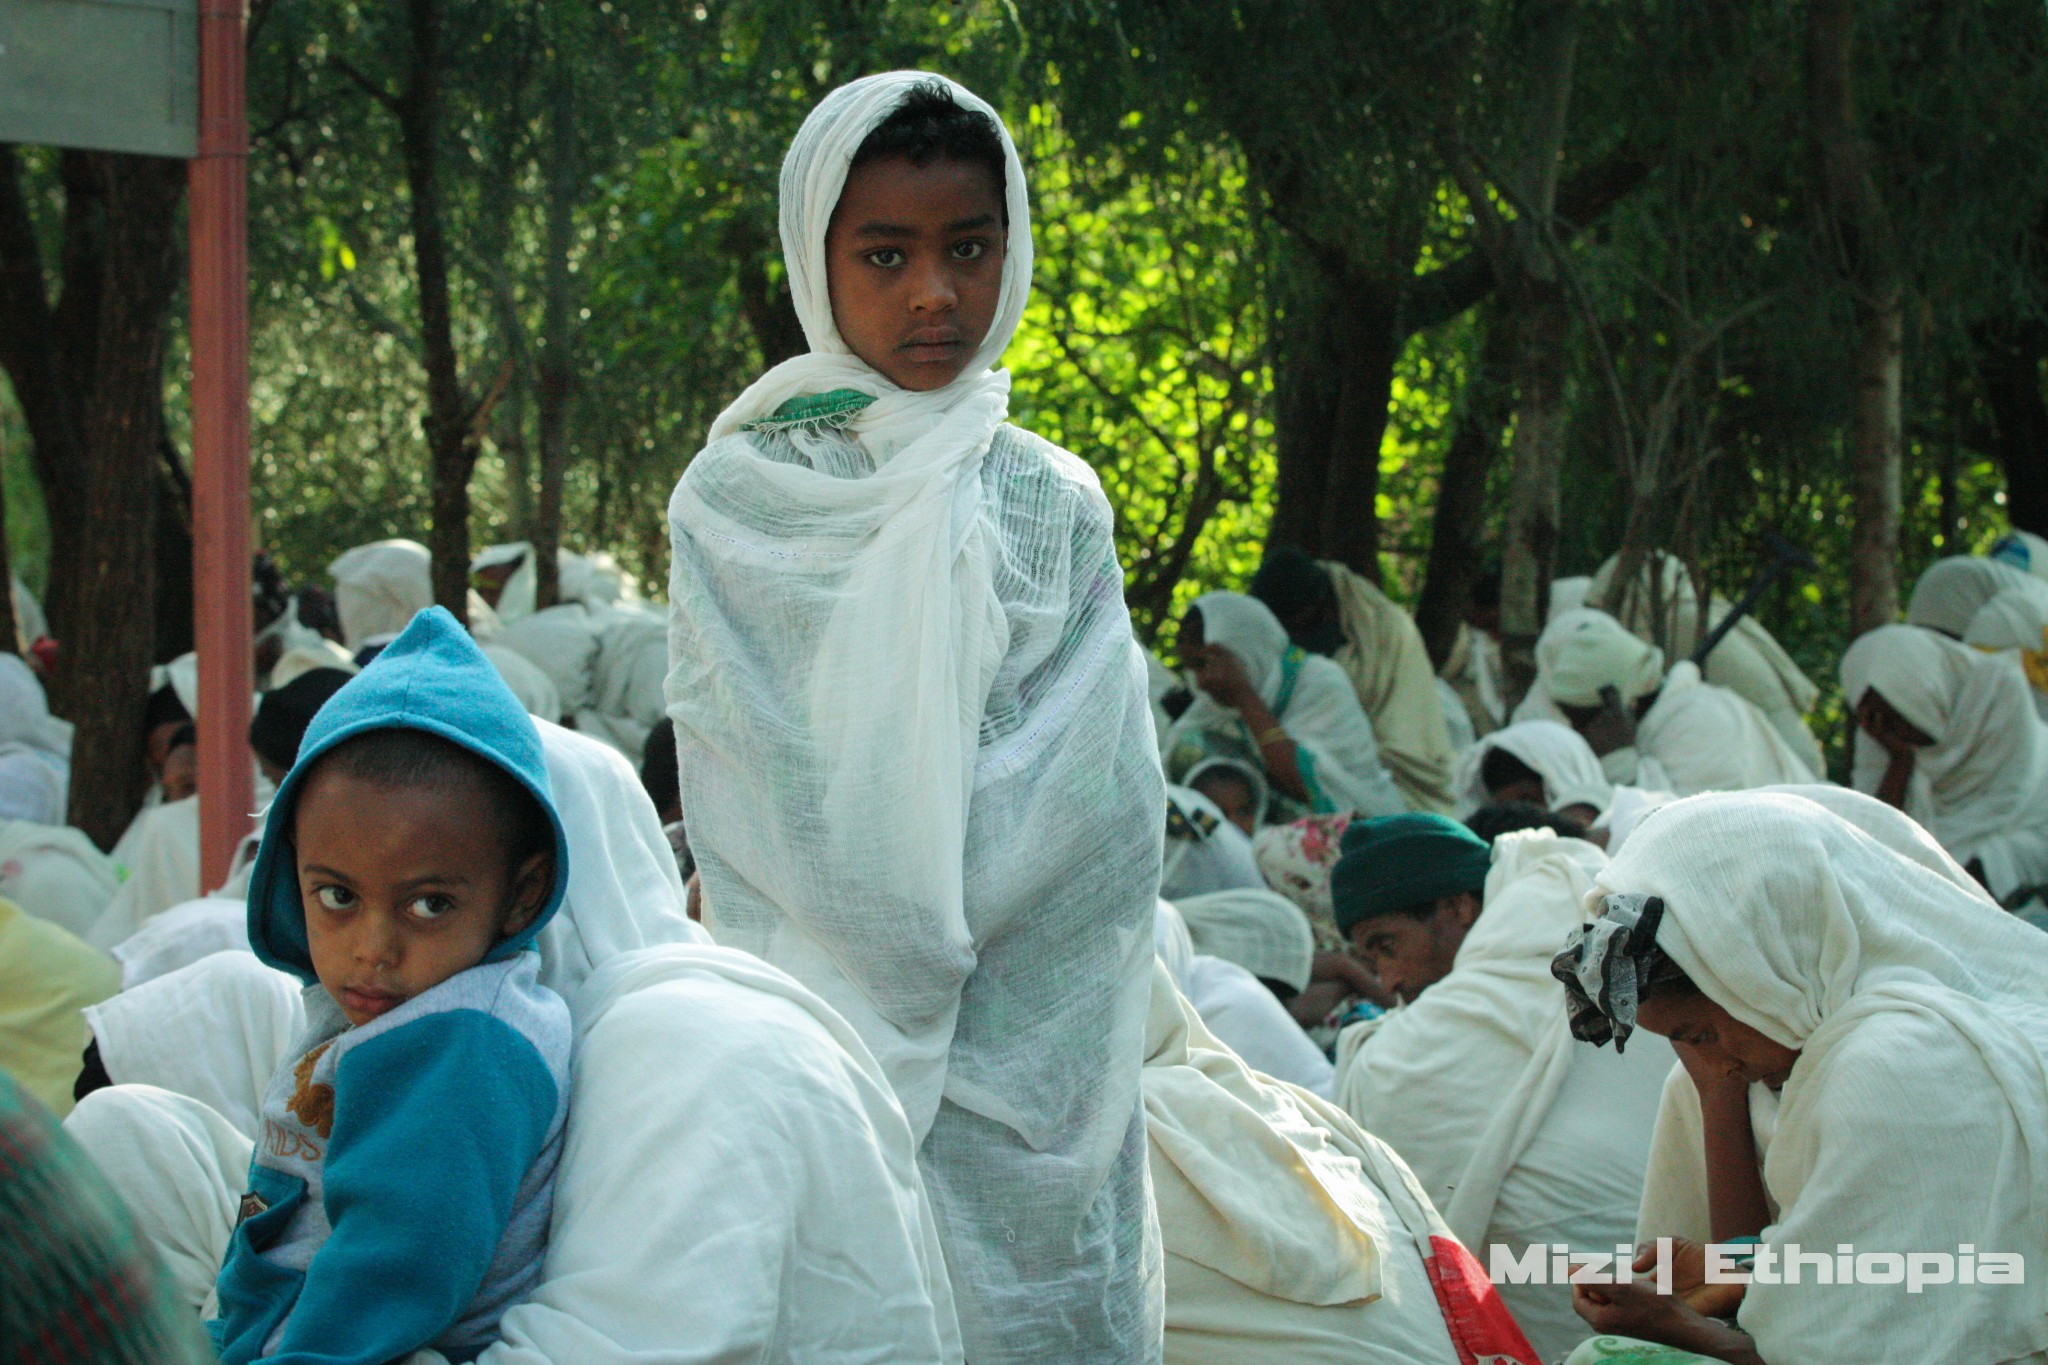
1887	727
1220	674
1689	1278
1631	1310
1637	1310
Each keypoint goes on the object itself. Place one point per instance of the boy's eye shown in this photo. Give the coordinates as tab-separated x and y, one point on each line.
888	258
335	897
969	251
429	907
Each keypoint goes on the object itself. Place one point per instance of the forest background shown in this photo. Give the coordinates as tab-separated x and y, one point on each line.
1419	286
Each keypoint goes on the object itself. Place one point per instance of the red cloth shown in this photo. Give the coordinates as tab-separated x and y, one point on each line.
1481	1327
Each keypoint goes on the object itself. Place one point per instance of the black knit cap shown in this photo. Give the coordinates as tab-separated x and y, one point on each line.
282	719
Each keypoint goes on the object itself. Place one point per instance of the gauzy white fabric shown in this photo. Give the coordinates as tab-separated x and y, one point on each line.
919	774
1675	1185
2013	619
1567	594
1985	787
561	642
178	1166
534	688
1204	851
1698	737
35	749
1261	931
1239	1009
215	1030
1170	942
1557	753
379	587
1748	661
1952	590
595	580
1322	714
55	873
162	857
1282	1243
625	892
1519	1133
181	936
1583	650
1911	1001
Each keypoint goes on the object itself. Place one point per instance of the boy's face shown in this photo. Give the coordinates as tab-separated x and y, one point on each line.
404	887
914	262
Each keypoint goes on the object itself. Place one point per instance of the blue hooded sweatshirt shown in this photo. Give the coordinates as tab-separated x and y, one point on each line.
400	1189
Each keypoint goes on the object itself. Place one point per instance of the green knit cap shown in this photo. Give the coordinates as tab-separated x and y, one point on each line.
1397	862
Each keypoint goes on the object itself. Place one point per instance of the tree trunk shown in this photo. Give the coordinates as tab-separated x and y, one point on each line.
1529	550
102	676
1874	455
1455	549
1330	417
1861	236
2009	368
556	331
452	443
1537	301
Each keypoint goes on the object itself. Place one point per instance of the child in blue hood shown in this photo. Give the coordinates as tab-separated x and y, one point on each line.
400	1189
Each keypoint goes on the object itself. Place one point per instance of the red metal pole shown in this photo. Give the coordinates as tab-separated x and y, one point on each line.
218	232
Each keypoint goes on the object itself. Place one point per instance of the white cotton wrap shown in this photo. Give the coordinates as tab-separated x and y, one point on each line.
1261	931
920	775
1582	651
1557	753
1912	1001
1952	590
1984	780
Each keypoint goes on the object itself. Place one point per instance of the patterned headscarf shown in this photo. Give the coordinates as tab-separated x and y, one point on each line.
1609	965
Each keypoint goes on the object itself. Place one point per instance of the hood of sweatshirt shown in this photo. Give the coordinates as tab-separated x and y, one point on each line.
432	678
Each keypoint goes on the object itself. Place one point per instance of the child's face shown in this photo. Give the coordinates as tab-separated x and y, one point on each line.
1233	796
404	887
914	261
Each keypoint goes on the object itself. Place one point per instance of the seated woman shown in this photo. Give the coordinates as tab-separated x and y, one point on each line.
1949	735
1549	764
1778	942
1290	716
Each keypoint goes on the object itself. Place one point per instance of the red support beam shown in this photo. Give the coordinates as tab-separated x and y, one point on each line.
218	230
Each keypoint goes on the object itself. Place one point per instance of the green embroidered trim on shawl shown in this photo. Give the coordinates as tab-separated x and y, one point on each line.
834	409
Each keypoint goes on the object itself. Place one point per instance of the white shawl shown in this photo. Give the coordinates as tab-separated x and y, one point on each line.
1984	780
920	775
55	873
214	1030
1261	931
1559	755
1911	1001
1952	591
1339	753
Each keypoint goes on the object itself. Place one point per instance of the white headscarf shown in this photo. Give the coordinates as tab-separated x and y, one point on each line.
1952	590
1559	755
1584	650
909	715
55	873
1899	988
215	1030
2014	619
1247	628
35	748
912	611
1261	931
1987	770
535	690
379	587
625	892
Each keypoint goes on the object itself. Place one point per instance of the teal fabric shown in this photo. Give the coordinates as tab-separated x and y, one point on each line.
1397	862
432	678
